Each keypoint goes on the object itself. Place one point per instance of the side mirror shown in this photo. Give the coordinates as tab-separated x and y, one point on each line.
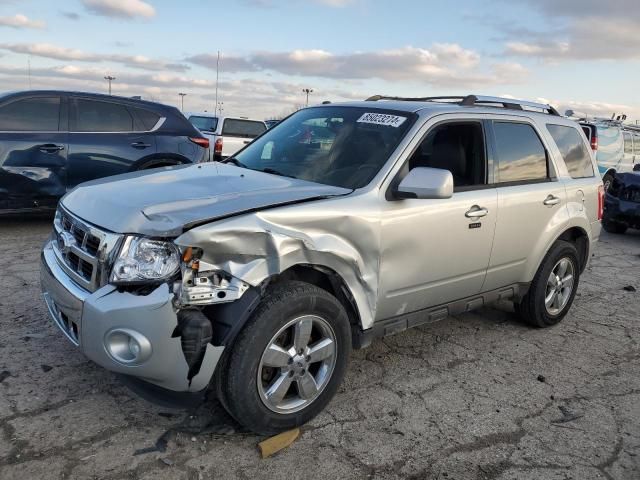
424	182
636	167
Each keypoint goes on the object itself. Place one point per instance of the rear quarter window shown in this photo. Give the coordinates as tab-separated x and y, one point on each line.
242	128
573	150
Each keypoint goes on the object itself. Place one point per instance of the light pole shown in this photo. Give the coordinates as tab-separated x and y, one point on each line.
307	91
219	107
182	95
109	78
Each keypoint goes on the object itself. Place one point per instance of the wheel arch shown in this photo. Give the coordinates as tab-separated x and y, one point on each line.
580	239
229	319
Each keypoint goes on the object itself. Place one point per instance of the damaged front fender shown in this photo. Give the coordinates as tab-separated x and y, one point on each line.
260	245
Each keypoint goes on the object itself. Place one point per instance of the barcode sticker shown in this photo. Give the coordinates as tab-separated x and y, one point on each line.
382	119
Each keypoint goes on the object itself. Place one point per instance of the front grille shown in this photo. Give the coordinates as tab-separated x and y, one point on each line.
84	251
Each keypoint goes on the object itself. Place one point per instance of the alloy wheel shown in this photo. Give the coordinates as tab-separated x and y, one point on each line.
559	286
297	364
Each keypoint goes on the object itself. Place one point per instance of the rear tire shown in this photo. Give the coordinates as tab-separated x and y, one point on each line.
614	227
288	361
553	289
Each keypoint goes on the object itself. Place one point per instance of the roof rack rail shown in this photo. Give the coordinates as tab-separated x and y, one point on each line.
475	100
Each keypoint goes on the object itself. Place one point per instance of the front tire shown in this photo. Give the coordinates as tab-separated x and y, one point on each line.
554	286
289	359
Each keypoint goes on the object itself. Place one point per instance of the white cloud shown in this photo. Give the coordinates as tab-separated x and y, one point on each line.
120	8
56	52
583	30
21	21
442	65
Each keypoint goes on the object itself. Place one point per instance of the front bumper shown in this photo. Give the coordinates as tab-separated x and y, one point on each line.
87	318
622	211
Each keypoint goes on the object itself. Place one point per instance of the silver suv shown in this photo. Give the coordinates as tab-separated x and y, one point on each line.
345	222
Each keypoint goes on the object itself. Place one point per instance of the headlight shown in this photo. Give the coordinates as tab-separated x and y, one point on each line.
143	260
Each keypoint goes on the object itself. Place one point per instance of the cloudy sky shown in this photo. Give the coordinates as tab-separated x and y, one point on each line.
579	54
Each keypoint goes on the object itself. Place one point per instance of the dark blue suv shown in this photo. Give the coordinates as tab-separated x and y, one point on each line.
50	141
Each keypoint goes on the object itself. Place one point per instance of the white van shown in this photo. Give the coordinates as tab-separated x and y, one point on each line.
226	135
615	144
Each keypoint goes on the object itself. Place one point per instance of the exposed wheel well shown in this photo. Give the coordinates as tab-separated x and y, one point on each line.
580	240
328	280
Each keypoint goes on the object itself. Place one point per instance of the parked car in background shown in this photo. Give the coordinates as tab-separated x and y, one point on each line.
271	123
622	202
258	275
226	134
615	144
51	141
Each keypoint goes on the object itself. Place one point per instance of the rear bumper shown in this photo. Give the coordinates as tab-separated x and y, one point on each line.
87	320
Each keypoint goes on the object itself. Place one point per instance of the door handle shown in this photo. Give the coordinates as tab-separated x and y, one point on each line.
140	145
50	148
476	212
551	200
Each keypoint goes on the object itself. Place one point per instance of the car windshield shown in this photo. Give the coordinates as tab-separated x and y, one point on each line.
339	146
204	124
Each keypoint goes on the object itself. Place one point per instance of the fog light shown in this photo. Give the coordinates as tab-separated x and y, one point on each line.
127	346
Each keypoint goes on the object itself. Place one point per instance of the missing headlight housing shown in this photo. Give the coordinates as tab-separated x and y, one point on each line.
143	260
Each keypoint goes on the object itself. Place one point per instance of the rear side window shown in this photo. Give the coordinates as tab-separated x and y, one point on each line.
242	128
573	150
628	143
147	118
31	115
520	154
97	116
204	124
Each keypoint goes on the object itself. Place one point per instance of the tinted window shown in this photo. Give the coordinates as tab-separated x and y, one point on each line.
573	150
521	155
628	143
458	148
204	124
242	128
147	118
96	116
341	146
31	115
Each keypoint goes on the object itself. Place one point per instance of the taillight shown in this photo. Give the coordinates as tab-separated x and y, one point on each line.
202	141
217	147
594	140
600	202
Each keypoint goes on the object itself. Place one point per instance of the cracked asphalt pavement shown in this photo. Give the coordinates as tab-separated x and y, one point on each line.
479	396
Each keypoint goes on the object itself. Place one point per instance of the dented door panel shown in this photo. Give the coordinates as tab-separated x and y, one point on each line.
33	169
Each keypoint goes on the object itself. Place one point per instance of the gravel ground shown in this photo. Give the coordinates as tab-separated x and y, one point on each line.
479	396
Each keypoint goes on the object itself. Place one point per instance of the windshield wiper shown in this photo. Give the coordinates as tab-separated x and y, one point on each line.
273	171
235	161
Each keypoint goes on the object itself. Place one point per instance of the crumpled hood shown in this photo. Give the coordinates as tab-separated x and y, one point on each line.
165	202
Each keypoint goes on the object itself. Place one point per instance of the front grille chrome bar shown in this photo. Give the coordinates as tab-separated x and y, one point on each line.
84	251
